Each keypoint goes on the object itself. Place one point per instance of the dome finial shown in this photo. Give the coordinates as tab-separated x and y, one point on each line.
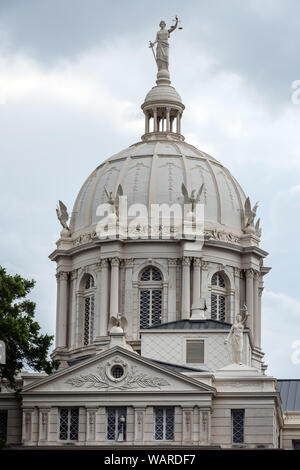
162	51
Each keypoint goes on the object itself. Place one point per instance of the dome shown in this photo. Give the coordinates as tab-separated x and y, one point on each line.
163	93
152	172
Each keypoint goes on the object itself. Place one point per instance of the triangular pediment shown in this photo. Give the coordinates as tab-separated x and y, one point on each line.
136	373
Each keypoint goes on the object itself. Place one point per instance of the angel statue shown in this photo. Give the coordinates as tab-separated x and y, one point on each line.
117	324
62	215
162	48
249	216
236	335
114	201
193	199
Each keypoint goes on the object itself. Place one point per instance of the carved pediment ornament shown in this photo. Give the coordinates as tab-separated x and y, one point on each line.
132	378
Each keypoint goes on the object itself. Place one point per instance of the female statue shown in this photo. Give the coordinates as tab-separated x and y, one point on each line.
236	335
162	49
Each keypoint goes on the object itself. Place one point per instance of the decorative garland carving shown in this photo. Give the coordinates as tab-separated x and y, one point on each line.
132	380
221	235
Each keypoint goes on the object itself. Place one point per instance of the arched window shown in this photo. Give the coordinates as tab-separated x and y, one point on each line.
89	310
218	297
150	297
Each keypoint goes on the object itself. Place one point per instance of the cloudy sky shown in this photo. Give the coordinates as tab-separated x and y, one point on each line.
73	74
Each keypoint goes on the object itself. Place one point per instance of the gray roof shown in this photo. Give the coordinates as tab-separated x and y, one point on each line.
177	368
192	325
290	394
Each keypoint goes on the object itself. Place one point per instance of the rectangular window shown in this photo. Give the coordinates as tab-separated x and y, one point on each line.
237	426
164	424
194	351
3	425
68	424
116	423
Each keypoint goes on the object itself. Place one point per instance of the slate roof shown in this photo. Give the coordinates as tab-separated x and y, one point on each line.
290	394
192	325
177	368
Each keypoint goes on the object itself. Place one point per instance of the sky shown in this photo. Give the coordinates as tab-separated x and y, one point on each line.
73	74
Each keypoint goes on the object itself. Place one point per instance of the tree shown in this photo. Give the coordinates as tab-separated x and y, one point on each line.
25	345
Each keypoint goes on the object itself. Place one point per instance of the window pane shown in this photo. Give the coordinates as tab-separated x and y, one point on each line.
159	424
74	420
146	275
144	308
156	307
116	423
221	307
156	275
237	417
195	351
214	307
87	303
111	424
63	424
169	424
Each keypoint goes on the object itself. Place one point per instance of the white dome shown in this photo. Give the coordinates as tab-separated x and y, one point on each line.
152	172
164	93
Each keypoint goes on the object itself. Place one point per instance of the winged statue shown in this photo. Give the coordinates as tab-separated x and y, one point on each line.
114	201
249	214
193	198
62	215
119	321
258	228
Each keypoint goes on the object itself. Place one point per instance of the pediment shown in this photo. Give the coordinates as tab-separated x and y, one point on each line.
96	375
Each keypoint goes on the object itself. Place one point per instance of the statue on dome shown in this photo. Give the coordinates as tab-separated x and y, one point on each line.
236	336
63	217
162	48
249	216
114	201
192	198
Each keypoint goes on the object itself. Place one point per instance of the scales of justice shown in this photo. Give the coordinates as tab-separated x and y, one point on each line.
162	50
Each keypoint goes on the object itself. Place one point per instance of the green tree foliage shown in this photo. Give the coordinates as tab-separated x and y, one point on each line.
25	345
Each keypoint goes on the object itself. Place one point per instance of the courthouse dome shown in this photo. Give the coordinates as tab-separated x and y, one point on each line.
152	172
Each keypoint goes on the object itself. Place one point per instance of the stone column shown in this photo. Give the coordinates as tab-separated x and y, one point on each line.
128	307
178	122
204	283
43	425
187	424
237	281
168	120
196	279
260	291
249	297
27	423
62	313
172	263
91	424
73	310
114	286
146	122
204	427
185	289
104	292
139	419
255	310
155	127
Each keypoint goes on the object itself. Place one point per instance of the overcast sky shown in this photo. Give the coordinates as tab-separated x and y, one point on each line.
73	74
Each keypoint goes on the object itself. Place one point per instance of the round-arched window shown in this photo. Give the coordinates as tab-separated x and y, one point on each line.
150	297
218	297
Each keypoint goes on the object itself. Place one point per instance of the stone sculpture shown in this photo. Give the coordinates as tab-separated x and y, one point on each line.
236	336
